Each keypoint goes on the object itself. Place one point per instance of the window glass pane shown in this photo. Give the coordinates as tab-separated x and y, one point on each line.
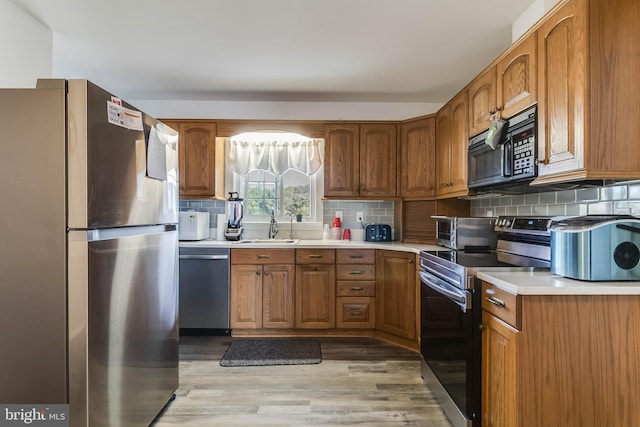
296	193
262	193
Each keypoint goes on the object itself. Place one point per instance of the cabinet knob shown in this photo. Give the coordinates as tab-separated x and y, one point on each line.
258	273
410	261
266	273
542	161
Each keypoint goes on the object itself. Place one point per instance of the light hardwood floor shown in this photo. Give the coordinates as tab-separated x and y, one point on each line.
361	381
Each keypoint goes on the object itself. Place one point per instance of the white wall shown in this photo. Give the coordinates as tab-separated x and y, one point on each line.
285	110
530	17
26	47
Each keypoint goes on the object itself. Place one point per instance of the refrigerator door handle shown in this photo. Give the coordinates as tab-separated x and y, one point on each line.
95	235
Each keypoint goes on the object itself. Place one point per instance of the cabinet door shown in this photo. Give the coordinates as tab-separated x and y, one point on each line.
342	160
499	373
562	47
315	296
516	77
482	101
277	296
443	150
378	160
396	293
418	150
459	144
246	296
201	161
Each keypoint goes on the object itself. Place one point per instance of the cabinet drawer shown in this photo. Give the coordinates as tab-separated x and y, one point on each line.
262	256
355	256
355	312
502	304
356	288
355	272
315	256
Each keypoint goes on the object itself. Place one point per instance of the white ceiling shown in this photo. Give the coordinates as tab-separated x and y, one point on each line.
277	50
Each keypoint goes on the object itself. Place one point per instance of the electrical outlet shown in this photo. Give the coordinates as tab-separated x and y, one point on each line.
360	217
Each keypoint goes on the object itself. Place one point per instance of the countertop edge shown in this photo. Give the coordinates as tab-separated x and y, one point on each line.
308	244
545	283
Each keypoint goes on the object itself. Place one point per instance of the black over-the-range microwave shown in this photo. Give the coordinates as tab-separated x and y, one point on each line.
513	161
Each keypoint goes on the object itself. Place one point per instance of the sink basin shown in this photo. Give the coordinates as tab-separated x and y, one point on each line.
270	241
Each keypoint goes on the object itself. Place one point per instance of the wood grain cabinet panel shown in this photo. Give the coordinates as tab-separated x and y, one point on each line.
315	305
262	294
355	312
201	160
569	362
418	150
361	160
482	101
342	160
396	293
589	92
516	84
451	147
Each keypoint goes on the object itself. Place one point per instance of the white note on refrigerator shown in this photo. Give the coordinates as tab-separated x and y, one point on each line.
156	156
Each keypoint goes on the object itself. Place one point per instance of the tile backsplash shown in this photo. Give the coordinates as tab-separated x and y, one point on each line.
622	198
374	212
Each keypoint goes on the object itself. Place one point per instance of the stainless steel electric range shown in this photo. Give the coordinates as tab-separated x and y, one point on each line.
450	312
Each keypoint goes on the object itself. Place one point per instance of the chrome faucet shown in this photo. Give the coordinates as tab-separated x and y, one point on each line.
291	233
273	225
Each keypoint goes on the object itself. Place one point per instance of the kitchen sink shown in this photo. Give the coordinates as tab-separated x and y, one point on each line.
270	241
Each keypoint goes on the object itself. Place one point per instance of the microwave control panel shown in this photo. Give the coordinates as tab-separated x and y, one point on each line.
524	153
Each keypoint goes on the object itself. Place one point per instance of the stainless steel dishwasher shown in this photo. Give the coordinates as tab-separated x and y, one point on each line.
204	291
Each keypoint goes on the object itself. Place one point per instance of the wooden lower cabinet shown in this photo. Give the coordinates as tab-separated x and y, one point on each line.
500	369
262	288
315	305
355	312
396	293
560	360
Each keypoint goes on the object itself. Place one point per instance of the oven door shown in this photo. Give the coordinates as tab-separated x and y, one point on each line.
450	345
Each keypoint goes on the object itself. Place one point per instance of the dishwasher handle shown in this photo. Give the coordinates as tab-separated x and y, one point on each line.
206	257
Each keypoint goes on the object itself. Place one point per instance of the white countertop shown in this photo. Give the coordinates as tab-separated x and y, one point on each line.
545	283
303	244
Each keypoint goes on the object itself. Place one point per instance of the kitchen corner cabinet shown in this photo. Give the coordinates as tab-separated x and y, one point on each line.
418	151
589	92
396	293
452	138
560	359
262	288
360	160
201	159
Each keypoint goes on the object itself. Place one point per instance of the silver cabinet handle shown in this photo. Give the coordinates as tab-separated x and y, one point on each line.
316	256
356	256
356	288
496	301
264	256
356	272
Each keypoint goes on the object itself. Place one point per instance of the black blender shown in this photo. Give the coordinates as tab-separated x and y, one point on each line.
234	217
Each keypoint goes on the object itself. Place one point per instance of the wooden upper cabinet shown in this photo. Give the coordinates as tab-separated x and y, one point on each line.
482	101
201	159
451	147
562	68
360	160
589	92
516	78
418	150
342	160
378	160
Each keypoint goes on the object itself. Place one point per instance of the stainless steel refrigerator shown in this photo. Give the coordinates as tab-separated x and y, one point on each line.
88	260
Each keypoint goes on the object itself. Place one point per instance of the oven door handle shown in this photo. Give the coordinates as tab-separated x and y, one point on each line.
456	295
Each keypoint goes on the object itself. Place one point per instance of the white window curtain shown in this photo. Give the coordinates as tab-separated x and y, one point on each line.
275	153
